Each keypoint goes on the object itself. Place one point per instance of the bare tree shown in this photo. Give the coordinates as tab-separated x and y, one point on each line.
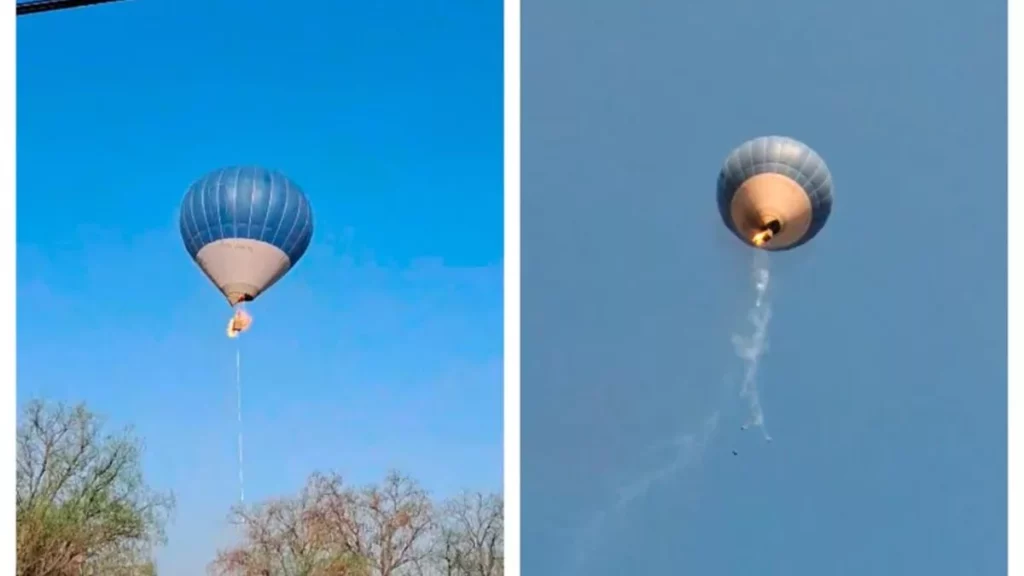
330	529
471	539
295	536
82	505
397	517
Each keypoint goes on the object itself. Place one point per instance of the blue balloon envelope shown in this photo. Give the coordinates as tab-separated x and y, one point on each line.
245	227
774	193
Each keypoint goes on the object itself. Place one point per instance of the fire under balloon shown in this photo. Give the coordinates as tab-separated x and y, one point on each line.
239	323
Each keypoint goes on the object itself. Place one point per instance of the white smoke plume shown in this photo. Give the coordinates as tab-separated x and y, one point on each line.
685	452
751	348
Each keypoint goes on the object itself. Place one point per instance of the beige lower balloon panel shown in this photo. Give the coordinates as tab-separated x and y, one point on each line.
771	211
242	268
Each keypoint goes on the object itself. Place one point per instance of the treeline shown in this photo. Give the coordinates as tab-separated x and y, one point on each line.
390	529
84	509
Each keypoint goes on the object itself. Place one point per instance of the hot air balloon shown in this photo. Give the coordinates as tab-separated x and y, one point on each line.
245	227
774	193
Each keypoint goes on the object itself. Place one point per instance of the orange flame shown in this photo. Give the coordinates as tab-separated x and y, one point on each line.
239	323
761	238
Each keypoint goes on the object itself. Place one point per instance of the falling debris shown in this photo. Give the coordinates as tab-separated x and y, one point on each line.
239	323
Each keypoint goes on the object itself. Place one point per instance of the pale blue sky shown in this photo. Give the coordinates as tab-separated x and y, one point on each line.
885	383
381	349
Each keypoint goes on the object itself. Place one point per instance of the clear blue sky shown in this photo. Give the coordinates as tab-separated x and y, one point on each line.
381	348
885	383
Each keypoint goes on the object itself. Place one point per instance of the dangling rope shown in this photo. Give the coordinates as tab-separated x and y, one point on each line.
241	445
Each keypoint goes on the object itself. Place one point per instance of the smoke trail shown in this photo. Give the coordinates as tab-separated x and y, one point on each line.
687	451
752	348
238	390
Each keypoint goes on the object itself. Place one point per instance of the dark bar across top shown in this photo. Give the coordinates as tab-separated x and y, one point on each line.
38	6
